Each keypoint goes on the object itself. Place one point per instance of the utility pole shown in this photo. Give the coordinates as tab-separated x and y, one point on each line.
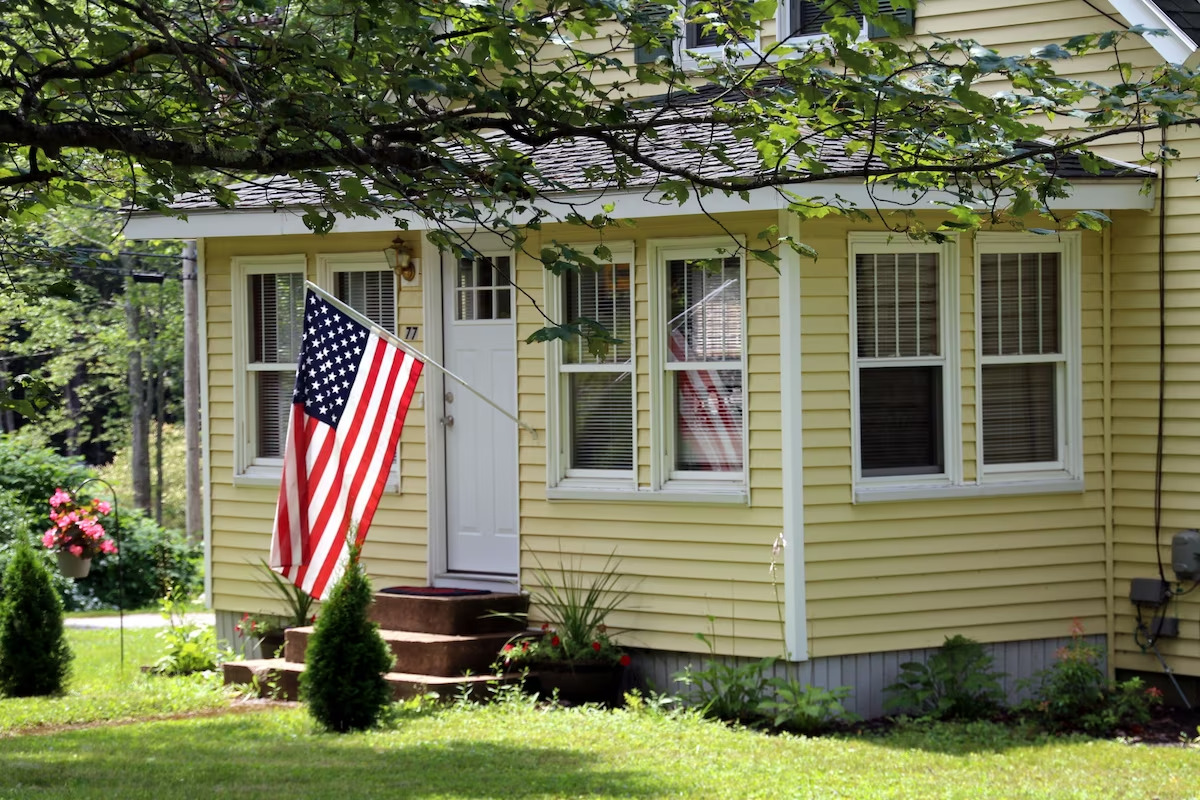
191	389
138	400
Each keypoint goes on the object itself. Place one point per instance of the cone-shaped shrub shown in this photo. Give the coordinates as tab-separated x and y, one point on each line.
34	656
346	659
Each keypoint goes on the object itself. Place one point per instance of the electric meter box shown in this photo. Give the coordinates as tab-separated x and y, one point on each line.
1185	555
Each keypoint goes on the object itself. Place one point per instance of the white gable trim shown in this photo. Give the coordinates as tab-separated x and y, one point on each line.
1107	194
1175	47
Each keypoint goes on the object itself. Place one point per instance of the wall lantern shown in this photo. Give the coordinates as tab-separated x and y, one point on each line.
400	259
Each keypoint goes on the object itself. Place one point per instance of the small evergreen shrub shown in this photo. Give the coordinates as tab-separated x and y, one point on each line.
34	657
955	683
343	680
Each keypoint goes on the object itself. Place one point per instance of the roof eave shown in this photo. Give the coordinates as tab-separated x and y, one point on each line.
1175	46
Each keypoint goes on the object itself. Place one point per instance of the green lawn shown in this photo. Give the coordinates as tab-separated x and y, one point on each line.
100	690
517	750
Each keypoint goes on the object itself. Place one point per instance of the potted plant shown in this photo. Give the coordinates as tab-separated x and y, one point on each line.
76	533
266	630
574	653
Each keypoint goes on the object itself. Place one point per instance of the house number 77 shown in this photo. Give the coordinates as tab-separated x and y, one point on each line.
410	333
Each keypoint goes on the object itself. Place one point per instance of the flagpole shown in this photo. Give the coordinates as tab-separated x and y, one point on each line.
396	340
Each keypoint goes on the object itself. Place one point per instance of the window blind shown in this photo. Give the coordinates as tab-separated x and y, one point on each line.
705	310
1020	310
370	293
809	16
899	400
273	396
599	391
276	308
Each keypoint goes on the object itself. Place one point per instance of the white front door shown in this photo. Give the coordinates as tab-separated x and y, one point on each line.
481	443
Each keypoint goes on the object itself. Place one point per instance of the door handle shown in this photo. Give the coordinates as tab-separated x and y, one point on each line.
448	421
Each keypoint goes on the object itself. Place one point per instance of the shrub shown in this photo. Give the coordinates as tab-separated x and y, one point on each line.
33	471
343	680
806	709
956	683
153	560
1074	693
34	656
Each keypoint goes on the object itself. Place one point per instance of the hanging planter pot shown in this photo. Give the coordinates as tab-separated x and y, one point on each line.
72	566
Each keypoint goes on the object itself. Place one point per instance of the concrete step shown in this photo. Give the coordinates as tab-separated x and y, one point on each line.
421	653
450	616
279	679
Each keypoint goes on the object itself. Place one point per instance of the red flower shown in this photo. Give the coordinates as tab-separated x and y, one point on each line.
625	659
554	641
508	647
524	645
596	646
545	626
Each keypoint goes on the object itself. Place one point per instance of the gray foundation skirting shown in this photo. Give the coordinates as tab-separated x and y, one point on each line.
866	674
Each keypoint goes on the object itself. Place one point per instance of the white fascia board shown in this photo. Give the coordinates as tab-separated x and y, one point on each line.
1111	194
1175	46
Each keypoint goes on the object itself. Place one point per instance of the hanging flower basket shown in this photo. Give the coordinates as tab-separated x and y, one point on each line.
72	566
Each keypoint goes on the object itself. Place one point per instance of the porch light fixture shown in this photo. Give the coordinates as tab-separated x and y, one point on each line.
400	259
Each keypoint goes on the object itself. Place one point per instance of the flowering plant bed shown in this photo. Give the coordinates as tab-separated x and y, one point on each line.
76	528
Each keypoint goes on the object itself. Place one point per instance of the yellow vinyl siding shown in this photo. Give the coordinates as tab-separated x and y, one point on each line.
684	561
242	515
899	575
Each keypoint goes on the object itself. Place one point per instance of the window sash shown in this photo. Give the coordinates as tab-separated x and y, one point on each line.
599	411
275	319
1023	365
901	367
371	293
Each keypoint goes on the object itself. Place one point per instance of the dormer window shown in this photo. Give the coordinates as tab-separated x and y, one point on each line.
808	17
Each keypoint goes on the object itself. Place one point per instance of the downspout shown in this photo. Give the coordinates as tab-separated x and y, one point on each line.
1110	582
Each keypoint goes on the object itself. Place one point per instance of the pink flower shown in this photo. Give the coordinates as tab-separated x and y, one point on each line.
75	550
48	538
1076	627
103	507
107	546
59	497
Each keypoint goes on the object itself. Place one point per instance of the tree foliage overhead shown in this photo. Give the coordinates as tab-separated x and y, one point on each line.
453	110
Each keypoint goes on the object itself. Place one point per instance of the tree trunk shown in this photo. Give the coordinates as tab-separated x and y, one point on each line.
138	404
191	390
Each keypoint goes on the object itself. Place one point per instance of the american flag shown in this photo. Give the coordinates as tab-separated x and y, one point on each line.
353	388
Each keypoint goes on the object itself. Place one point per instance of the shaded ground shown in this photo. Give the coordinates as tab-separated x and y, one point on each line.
1170	726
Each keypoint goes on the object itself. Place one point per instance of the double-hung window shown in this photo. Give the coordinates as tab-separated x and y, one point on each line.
698	333
802	18
1027	343
271	295
593	392
904	360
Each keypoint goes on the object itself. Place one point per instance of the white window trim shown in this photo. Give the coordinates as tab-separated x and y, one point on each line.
1069	466
948	319
248	469
689	57
783	24
562	482
328	265
662	475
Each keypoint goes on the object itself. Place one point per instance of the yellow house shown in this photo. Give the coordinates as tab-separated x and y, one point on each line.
950	438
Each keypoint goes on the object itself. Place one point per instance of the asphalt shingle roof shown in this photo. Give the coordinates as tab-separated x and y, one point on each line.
1185	14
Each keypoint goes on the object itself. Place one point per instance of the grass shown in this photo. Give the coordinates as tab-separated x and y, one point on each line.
100	691
519	751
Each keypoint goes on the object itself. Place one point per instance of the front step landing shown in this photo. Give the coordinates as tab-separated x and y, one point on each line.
279	679
421	653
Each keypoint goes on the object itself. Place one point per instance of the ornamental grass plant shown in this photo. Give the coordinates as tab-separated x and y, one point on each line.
575	607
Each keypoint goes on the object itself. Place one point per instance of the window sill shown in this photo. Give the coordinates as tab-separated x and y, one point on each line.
991	488
719	494
271	477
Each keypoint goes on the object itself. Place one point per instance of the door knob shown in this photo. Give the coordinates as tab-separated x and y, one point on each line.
448	421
